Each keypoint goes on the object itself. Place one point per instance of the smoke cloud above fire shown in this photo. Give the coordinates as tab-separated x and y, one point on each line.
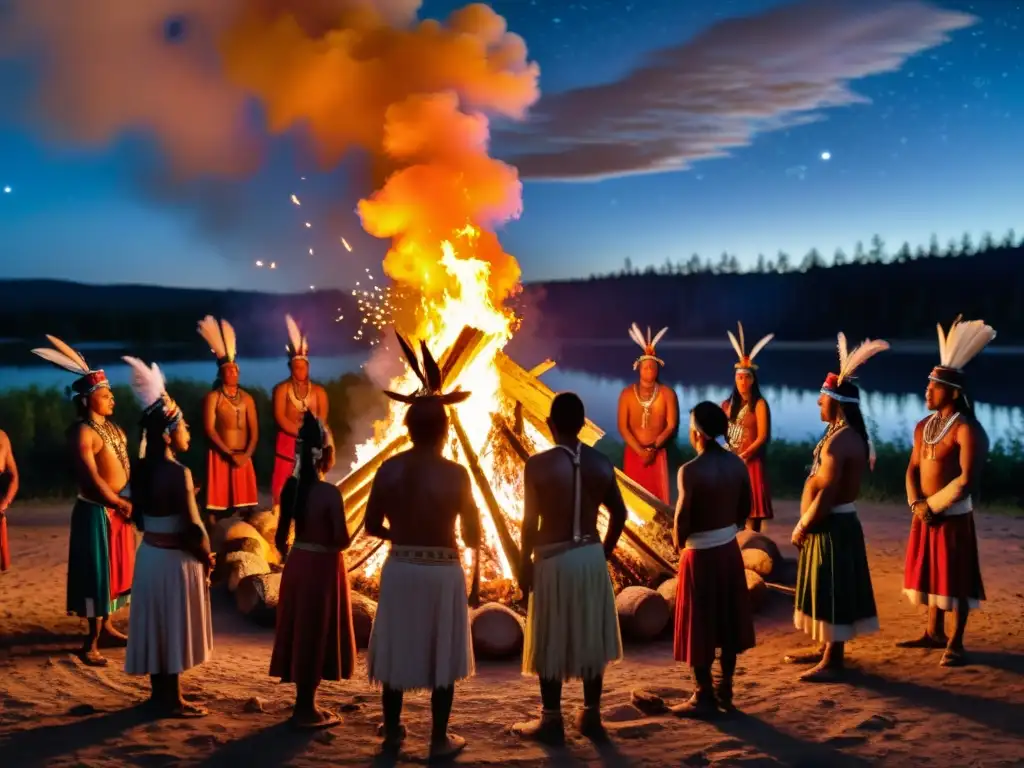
345	75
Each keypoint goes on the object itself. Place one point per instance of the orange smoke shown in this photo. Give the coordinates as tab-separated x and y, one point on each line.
416	98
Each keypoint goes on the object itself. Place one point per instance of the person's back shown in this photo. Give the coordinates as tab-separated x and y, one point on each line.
720	489
322	519
551	481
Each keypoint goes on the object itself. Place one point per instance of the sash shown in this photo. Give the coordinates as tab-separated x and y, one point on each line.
711	539
424	555
963	507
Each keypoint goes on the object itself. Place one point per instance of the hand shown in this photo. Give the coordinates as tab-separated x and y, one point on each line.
239	459
745	455
211	561
920	510
650	454
799	536
124	507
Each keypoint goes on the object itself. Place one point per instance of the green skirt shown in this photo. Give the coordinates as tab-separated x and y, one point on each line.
89	588
835	601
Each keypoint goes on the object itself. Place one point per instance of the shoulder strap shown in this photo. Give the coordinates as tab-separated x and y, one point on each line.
577	489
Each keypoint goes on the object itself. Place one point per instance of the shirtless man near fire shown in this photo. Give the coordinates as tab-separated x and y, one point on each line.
101	549
942	568
292	398
648	418
231	426
8	490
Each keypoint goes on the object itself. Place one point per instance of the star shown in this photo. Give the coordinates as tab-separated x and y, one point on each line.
826	155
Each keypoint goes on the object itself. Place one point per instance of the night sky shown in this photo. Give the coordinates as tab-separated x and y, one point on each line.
663	129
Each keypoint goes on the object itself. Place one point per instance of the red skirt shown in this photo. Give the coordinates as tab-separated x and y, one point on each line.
942	565
5	551
712	605
228	486
122	554
314	639
284	464
761	493
653	478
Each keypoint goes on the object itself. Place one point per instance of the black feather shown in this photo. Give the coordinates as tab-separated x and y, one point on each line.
411	357
430	370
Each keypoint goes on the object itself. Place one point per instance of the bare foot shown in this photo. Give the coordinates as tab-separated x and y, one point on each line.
953	657
546	730
925	641
697	707
449	746
808	656
315	720
185	710
823	673
92	658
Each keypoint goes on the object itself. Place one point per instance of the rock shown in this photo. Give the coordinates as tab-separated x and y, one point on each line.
759	562
220	531
257	598
242	530
752	540
497	631
667	590
242	564
643	613
758	590
364	611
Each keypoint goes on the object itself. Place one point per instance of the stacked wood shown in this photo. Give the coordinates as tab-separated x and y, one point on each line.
643	613
257	597
364	611
497	631
242	564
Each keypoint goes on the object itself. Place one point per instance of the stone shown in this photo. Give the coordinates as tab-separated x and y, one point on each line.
220	531
242	530
667	589
364	611
752	540
242	564
257	597
758	590
758	561
643	613
497	631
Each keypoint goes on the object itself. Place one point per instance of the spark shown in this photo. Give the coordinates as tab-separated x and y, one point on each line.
259	263
295	200
826	155
310	251
347	246
273	265
8	190
308	225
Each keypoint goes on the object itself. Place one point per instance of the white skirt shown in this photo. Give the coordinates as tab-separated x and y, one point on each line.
572	625
421	637
170	628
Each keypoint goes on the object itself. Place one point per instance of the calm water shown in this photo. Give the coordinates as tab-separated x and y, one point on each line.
790	381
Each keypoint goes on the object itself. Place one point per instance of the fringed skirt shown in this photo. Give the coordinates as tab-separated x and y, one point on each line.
942	565
421	637
314	639
835	600
572	626
170	629
712	605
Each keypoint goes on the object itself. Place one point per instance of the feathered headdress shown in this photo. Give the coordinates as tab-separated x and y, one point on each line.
63	356
647	344
840	386
150	388
746	360
957	348
220	337
430	376
298	344
319	437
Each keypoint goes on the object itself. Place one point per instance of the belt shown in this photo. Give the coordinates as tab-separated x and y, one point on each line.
308	546
546	551
711	539
424	555
963	507
845	509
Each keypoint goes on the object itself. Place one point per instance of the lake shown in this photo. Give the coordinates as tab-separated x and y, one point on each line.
894	382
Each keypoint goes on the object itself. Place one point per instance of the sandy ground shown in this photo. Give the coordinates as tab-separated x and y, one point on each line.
897	708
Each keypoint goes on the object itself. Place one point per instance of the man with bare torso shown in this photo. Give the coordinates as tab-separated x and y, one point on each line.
572	627
232	430
101	550
713	608
8	490
835	600
942	568
292	398
421	638
648	418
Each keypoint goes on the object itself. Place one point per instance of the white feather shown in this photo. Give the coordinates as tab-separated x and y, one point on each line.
230	340
942	343
638	336
210	331
860	355
74	354
658	336
648	337
760	345
60	360
148	383
844	352
294	334
735	344
743	339
965	341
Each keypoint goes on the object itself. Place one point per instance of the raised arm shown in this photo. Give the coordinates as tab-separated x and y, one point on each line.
671	417
617	514
252	423
960	486
681	524
12	471
915	497
210	423
280	403
91	484
531	523
624	431
376	506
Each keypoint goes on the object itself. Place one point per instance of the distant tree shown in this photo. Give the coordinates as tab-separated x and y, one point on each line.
812	260
693	266
722	268
708	267
1010	240
877	253
934	251
668	267
627	266
762	263
859	256
951	249
782	262
650	270
734	264
770	266
920	253
904	254
966	245
838	258
987	243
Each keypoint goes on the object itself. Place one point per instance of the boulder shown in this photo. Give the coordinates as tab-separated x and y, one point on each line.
758	590
643	613
220	531
242	564
752	540
667	590
364	611
257	597
759	562
497	631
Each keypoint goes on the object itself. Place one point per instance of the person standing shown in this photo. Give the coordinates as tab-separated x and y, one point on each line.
9	484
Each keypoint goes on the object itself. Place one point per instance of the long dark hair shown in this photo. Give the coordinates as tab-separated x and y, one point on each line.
736	399
855	420
310	438
154	455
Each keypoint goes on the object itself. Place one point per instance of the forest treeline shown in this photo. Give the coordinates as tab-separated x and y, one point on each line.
872	292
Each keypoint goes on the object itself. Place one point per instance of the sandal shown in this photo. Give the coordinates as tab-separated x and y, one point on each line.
93	658
326	719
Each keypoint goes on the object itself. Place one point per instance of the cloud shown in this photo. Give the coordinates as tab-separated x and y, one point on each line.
719	90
